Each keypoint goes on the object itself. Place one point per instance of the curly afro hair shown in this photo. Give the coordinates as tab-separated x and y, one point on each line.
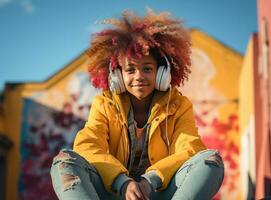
132	35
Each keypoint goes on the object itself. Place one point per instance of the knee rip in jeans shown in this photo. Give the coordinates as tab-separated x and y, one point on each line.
214	159
68	181
62	157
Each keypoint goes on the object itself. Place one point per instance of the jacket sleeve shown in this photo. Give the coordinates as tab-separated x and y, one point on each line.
92	144
185	142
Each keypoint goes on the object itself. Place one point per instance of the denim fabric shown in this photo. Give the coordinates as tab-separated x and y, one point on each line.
198	178
74	178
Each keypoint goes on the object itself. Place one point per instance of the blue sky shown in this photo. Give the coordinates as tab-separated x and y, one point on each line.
39	37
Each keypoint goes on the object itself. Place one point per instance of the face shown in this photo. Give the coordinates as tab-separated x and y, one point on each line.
139	75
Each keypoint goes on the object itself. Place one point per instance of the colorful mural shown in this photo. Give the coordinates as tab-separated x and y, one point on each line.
52	117
44	117
46	129
48	126
215	126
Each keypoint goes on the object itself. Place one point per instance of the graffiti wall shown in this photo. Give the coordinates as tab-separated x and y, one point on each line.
52	117
217	120
51	120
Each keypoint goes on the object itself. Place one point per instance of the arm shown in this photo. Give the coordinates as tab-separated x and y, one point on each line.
185	142
92	144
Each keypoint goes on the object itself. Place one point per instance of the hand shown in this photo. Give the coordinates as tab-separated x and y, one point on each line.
133	191
145	187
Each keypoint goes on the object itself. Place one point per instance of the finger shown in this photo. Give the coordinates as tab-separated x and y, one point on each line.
143	192
134	196
139	192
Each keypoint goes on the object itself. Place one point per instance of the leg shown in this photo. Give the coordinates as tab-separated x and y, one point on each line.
198	178
204	172
74	178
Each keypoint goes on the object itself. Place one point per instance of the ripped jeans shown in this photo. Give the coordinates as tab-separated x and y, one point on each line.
200	177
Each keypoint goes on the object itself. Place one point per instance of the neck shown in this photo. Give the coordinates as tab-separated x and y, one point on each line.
141	105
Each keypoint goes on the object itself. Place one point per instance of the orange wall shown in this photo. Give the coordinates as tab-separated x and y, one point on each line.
213	89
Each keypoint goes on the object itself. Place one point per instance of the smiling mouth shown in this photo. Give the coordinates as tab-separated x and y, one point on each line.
140	85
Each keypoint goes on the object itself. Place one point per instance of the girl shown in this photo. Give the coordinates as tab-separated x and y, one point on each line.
140	140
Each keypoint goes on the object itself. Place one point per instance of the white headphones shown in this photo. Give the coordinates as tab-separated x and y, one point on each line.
163	78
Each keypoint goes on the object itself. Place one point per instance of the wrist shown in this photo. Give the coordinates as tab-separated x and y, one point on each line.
119	181
147	184
124	187
153	179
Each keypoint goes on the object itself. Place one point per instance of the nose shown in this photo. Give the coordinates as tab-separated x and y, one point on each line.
139	76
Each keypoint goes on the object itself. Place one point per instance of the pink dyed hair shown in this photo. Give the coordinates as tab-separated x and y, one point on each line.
133	35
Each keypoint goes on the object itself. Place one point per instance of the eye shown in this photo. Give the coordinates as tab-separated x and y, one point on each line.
147	69
130	70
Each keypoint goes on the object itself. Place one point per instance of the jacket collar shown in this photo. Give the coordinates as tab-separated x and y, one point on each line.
159	103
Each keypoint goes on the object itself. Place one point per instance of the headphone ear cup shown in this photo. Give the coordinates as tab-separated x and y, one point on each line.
163	78
116	83
121	82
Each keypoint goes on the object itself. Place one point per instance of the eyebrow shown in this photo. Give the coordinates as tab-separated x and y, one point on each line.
148	63
145	63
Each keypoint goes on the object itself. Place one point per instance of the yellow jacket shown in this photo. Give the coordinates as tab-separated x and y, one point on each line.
104	140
